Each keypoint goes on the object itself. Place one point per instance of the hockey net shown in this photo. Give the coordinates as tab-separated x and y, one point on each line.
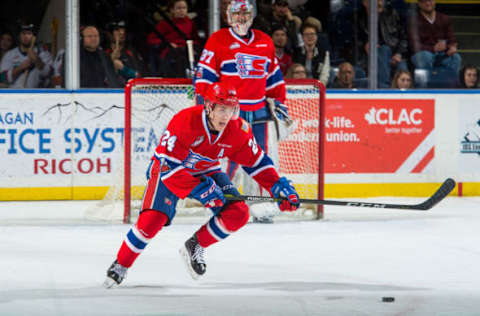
150	103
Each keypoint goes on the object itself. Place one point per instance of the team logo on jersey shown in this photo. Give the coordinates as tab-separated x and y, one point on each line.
198	141
196	161
234	45
251	66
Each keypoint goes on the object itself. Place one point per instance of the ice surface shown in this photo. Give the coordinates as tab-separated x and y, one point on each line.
52	262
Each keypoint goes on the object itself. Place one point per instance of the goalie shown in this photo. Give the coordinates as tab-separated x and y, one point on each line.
186	163
245	57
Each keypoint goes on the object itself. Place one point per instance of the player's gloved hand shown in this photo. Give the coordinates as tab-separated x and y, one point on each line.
283	188
208	193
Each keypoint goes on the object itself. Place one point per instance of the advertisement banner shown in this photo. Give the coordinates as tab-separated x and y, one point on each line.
379	135
469	137
366	135
54	137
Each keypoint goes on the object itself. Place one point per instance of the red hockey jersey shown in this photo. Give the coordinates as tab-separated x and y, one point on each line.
249	64
188	149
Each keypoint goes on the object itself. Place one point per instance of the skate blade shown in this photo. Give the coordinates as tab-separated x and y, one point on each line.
109	283
186	259
263	220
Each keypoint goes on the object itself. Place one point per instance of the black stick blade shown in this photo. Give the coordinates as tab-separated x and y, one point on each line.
439	195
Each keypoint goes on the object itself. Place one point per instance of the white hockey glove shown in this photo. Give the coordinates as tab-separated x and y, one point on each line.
284	125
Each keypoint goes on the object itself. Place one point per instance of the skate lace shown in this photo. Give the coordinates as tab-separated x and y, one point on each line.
198	254
119	269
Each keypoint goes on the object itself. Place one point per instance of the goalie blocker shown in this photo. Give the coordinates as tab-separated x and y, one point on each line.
284	125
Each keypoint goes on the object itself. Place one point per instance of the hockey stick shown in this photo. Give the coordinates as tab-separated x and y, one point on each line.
191	58
439	195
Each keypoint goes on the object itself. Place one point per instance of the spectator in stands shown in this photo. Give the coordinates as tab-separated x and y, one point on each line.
468	77
280	13
127	62
345	76
96	67
26	66
315	61
431	39
392	42
6	43
170	36
279	37
402	80
296	71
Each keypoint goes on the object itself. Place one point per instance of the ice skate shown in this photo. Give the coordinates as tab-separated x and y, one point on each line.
115	275
192	254
263	219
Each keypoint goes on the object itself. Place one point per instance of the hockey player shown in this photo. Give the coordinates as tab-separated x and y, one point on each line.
244	57
186	163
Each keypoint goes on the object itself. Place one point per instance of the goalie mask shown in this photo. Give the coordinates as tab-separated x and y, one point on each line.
240	14
224	94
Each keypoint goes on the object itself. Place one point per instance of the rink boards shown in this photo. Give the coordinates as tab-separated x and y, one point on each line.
67	144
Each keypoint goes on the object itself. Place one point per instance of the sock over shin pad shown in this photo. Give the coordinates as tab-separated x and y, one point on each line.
220	226
148	225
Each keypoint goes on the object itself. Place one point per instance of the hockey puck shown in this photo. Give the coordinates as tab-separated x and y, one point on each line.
388	299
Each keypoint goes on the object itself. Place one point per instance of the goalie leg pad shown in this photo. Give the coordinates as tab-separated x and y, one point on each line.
148	225
220	226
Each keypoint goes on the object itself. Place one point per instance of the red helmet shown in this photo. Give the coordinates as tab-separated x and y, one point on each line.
222	93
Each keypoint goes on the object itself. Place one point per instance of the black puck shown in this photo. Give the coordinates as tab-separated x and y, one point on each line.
388	299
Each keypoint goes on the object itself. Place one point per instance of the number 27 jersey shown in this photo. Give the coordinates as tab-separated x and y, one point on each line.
249	64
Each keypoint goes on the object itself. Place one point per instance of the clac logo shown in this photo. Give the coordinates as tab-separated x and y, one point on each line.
391	116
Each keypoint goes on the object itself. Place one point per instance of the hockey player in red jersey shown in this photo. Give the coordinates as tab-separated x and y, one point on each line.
244	57
186	163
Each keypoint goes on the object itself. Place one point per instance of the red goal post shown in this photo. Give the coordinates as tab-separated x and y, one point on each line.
152	101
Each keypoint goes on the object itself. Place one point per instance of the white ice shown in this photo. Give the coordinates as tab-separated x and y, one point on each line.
52	262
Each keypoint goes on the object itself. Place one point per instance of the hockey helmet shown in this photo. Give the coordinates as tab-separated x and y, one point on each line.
240	15
222	93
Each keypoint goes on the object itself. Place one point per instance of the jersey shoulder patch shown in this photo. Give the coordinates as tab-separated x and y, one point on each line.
244	125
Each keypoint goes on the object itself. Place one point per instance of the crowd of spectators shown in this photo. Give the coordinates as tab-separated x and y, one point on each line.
309	43
25	65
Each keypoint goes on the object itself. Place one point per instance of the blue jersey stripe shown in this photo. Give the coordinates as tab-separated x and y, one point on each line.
275	78
206	74
266	161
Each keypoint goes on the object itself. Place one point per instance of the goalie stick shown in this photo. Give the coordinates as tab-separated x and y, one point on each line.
439	195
